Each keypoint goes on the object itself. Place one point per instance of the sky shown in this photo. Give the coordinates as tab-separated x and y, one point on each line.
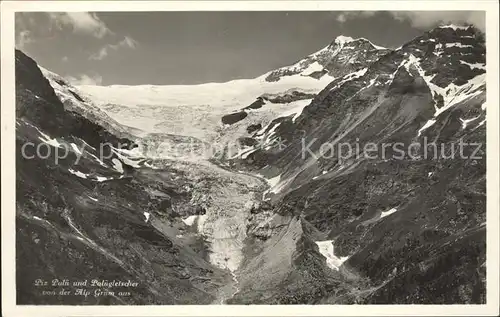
169	48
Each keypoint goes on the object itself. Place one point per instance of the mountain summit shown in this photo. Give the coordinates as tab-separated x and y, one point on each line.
342	56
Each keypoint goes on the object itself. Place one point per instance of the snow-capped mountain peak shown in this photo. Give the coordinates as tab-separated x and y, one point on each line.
342	56
454	27
341	39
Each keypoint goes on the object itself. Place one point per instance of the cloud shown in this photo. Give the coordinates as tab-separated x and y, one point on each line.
84	79
33	27
81	22
23	38
127	42
347	15
24	20
429	19
43	26
103	52
424	19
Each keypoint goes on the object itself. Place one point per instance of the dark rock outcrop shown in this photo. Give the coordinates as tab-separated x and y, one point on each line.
234	117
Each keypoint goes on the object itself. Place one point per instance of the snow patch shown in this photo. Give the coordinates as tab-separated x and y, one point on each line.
146	215
452	94
117	165
96	159
267	140
296	108
313	67
189	221
273	181
349	77
454	27
76	149
276	184
341	39
77	173
326	249
48	140
377	46
126	155
88	145
467	121
388	212
279	187
150	166
475	65
322	173
426	125
246	153
102	178
457	44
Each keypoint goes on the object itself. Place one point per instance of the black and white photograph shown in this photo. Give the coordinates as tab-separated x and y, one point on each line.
252	157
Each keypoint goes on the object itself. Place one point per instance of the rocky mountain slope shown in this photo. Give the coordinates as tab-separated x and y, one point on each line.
86	212
402	226
343	56
282	216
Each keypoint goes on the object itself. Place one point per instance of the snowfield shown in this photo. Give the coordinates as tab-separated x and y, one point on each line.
326	249
196	110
